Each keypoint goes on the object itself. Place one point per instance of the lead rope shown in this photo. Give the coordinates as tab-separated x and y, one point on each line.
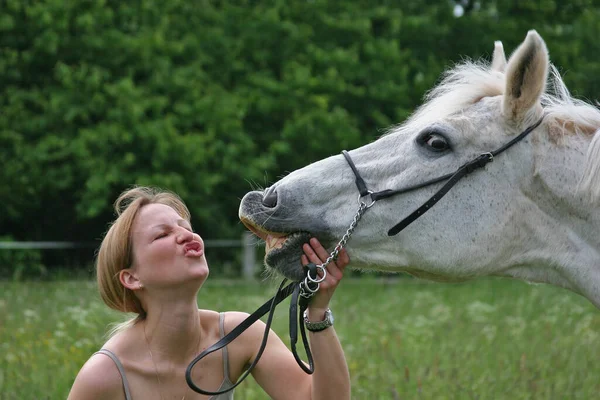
301	294
315	274
269	306
297	302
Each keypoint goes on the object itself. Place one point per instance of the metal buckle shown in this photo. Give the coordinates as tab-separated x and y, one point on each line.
306	291
317	279
362	203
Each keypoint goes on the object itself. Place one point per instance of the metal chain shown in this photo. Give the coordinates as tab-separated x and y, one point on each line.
306	290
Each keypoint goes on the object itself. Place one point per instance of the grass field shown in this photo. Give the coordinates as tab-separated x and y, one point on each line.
403	338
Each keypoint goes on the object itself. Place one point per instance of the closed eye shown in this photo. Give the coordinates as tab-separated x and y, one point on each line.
433	140
161	235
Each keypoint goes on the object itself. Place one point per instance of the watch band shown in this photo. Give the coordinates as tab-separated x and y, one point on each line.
320	325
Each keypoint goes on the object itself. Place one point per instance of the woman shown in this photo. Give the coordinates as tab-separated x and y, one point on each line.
152	263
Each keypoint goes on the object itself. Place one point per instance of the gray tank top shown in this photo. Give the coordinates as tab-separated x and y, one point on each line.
224	385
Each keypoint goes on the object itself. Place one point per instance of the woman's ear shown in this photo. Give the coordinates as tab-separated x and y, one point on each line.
130	280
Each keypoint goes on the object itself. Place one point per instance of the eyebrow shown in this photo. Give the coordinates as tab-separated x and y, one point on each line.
181	222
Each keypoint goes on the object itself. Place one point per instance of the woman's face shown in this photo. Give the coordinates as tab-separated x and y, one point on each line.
166	251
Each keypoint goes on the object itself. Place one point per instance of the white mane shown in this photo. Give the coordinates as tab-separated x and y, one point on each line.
528	216
469	82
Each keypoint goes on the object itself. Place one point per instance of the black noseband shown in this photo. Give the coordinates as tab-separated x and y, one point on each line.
452	178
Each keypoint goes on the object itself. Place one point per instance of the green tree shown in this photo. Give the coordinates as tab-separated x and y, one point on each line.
211	98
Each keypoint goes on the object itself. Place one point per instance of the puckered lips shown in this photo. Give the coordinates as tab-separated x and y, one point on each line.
193	249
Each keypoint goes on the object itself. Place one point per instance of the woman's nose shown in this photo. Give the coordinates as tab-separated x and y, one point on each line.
184	235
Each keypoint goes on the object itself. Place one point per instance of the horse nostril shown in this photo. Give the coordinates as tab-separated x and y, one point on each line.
270	198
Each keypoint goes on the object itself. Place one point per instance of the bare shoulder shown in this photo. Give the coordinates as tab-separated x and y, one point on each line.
208	314
234	318
231	319
251	336
210	321
99	378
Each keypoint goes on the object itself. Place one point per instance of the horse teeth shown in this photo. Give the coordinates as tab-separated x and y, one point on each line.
274	242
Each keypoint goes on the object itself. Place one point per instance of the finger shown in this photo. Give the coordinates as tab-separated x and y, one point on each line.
341	263
303	259
335	272
310	253
332	280
343	259
319	249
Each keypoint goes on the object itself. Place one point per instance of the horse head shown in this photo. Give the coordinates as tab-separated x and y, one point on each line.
529	214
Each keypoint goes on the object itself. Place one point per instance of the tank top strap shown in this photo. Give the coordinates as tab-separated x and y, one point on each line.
225	353
115	359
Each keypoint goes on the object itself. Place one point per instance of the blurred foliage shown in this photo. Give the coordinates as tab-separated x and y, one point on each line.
20	264
212	98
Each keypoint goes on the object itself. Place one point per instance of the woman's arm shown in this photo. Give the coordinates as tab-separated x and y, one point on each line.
98	379
277	372
331	379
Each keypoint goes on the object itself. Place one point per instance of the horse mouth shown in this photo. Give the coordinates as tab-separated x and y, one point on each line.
282	250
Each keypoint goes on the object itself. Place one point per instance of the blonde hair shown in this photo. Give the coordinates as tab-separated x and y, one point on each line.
116	250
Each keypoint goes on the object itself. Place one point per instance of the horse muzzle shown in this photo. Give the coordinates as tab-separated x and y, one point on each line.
283	249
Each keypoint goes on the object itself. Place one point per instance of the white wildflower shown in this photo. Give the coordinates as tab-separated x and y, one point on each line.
489	332
30	314
441	313
479	311
60	333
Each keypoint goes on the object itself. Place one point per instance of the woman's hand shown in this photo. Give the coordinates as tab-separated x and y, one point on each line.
315	253
278	368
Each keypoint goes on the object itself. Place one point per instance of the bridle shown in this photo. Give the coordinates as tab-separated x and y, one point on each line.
303	290
479	162
367	198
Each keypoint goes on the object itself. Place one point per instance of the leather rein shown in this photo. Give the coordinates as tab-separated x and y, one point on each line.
314	274
298	304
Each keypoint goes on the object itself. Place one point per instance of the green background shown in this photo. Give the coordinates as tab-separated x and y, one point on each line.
213	98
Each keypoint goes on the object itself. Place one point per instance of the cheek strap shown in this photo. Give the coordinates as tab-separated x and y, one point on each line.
479	162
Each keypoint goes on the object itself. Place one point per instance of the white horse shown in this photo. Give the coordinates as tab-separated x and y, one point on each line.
531	214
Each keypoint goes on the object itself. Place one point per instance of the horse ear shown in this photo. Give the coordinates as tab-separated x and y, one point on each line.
526	74
498	59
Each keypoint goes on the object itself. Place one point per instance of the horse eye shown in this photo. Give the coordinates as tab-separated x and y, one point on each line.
433	141
437	142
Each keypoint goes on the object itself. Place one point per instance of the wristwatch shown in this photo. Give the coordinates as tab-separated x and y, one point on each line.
320	325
